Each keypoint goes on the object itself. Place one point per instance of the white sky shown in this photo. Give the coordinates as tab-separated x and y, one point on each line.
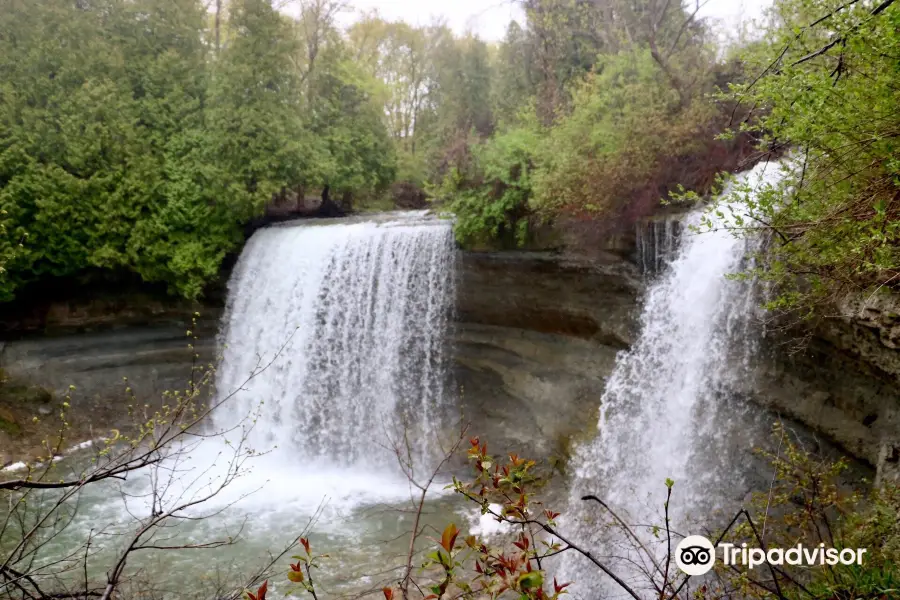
489	18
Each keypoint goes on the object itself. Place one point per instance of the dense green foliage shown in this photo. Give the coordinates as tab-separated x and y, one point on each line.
601	109
829	88
137	136
490	199
605	102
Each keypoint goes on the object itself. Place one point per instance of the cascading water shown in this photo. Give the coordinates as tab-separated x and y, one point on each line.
353	318
656	242
344	324
668	411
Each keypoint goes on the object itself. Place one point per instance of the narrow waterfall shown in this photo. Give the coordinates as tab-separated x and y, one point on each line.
352	317
656	243
669	410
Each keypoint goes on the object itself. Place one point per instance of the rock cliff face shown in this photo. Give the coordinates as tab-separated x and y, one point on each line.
845	383
37	371
536	336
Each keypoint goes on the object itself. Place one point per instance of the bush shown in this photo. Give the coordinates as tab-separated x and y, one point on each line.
490	196
827	88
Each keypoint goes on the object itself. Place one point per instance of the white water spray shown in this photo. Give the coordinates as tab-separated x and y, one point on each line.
668	410
353	318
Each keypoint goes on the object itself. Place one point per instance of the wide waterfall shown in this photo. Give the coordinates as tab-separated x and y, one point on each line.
345	324
669	410
333	343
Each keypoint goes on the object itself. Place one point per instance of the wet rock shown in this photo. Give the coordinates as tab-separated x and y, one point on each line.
154	359
888	464
535	338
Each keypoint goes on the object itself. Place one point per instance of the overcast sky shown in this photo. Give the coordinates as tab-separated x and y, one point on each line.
489	18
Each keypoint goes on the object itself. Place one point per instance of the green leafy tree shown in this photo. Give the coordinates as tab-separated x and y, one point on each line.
827	90
490	199
347	123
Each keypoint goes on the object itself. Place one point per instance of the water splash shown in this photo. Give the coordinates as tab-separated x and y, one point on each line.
669	410
353	318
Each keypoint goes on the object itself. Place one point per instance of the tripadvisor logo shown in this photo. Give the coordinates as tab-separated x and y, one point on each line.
696	555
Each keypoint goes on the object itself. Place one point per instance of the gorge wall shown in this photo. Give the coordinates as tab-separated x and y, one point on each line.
535	336
843	382
93	347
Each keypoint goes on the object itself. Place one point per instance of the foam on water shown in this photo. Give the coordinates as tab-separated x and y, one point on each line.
349	319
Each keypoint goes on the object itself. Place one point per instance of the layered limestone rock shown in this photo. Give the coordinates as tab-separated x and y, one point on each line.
832	392
844	382
36	373
536	336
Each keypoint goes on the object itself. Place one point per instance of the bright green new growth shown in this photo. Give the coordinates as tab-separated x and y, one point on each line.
828	93
491	199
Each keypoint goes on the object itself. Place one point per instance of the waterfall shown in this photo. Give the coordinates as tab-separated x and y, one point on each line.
352	317
669	409
656	242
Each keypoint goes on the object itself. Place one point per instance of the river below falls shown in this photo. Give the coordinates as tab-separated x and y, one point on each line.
360	519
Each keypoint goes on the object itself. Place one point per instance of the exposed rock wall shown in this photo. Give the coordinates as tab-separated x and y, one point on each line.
845	383
536	336
832	392
37	371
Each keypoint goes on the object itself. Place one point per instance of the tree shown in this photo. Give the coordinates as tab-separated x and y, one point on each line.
316	24
126	149
347	123
396	56
257	109
826	87
514	80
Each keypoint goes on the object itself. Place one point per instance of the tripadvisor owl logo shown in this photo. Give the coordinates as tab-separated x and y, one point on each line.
695	555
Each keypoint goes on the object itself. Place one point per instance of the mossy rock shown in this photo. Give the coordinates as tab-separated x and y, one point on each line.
566	447
16	394
8	423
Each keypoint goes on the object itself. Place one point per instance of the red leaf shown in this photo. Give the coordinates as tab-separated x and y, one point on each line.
448	538
388	593
261	592
305	543
558	588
